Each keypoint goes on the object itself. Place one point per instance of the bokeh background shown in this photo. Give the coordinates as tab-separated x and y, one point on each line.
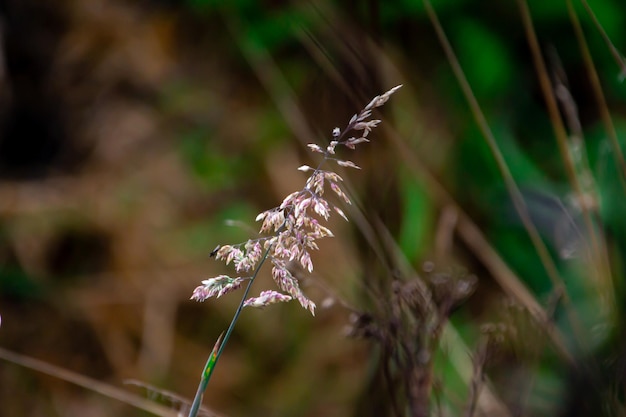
135	136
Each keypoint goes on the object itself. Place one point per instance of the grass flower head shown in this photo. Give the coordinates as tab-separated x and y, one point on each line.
291	230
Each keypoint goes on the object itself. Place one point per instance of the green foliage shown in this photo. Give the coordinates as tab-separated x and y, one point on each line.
273	31
240	6
265	28
209	162
17	285
416	7
417	220
485	58
199	237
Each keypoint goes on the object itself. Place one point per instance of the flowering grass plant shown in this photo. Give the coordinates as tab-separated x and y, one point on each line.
288	233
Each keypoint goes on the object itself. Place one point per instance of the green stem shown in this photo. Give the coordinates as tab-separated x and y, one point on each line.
212	361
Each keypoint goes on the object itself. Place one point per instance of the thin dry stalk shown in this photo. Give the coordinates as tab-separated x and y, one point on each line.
619	59
596	87
439	331
88	383
447	224
570	110
603	274
479	359
468	230
511	284
511	185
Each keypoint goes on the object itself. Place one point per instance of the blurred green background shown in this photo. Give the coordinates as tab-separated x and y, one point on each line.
134	134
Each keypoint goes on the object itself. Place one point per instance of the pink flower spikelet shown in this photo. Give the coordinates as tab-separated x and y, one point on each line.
291	230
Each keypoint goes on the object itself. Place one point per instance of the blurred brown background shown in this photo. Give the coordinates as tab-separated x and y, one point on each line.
130	132
135	136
